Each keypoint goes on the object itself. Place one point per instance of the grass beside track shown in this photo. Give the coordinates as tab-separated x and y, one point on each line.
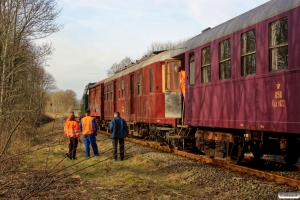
136	177
45	173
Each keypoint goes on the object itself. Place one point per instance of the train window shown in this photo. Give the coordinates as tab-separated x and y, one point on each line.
122	88
172	78
248	53
132	85
225	67
111	91
119	86
104	92
192	69
151	80
139	83
279	44
205	69
108	92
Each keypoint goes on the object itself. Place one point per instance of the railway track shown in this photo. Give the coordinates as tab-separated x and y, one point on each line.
228	165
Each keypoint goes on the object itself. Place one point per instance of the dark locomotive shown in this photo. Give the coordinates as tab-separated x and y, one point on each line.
242	88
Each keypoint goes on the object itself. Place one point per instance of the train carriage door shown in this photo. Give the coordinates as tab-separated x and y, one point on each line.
173	101
132	94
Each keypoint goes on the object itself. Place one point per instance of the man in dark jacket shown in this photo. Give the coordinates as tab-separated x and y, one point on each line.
118	129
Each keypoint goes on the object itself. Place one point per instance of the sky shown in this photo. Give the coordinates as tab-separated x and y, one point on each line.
99	33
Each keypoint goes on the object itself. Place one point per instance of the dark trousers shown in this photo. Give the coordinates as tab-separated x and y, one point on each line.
73	147
115	148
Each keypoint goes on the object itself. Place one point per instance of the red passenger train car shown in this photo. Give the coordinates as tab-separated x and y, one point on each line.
243	83
96	100
146	95
242	88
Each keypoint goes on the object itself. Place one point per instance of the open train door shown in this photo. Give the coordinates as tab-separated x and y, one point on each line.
173	99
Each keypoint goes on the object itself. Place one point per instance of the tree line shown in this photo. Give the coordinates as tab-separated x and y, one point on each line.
62	102
24	83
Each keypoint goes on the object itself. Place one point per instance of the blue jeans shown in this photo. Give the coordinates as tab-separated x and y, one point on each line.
88	140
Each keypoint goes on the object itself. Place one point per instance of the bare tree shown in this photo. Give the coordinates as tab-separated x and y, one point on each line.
24	83
161	46
155	47
20	22
117	67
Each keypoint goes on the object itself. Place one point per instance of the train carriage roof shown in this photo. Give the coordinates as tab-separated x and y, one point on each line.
157	58
258	14
96	84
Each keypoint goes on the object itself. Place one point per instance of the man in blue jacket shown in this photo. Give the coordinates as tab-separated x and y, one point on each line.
118	129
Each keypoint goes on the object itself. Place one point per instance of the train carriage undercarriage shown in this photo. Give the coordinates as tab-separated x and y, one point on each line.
232	144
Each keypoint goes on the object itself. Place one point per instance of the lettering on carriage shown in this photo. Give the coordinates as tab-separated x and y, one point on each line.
278	102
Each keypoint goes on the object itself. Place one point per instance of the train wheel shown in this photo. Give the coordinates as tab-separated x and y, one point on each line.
237	153
257	153
291	158
291	154
209	156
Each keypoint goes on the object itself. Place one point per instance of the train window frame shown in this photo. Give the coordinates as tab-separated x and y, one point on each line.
119	86
104	92
205	66
248	53
192	68
169	74
223	59
122	85
139	79
108	91
276	48
132	85
112	91
151	82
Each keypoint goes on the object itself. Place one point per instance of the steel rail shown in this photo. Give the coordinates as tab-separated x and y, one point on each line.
239	168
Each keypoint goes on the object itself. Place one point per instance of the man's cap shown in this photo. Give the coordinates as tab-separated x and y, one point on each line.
87	111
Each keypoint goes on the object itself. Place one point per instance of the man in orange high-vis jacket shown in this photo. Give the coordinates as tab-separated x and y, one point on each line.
71	113
181	73
88	128
72	132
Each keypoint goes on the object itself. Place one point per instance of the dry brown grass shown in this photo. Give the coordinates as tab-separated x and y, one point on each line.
44	173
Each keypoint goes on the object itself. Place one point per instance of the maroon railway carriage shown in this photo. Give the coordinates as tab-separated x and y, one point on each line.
147	95
96	100
243	83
